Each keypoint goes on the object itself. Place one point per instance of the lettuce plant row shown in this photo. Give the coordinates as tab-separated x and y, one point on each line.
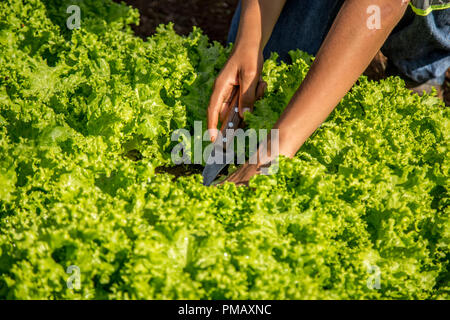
361	212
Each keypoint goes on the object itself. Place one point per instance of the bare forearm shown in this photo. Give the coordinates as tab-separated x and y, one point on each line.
346	52
258	18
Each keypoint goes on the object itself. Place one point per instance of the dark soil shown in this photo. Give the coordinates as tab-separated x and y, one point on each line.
182	170
214	17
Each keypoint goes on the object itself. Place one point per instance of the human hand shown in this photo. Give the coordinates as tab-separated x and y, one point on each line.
242	176
242	69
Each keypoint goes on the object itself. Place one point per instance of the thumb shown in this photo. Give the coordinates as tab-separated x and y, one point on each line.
248	82
261	89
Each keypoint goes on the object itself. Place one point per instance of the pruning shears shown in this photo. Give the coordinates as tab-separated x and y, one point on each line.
222	153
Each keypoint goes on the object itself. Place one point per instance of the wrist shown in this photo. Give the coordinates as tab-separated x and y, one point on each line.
249	45
289	143
248	55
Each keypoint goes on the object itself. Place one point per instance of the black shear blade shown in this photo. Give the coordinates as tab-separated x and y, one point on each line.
216	162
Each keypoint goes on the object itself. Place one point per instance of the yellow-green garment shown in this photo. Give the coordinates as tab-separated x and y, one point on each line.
424	7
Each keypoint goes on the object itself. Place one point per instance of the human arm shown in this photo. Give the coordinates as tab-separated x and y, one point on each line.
243	68
345	53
